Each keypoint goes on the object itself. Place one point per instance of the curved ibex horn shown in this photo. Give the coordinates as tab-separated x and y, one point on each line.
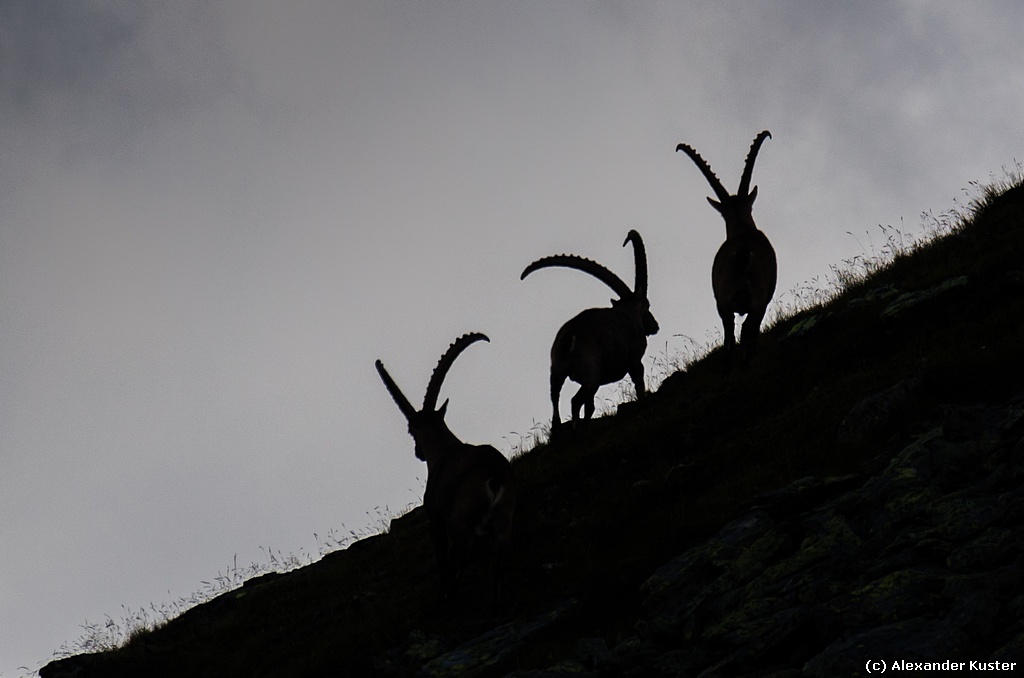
748	165
716	185
396	393
581	264
444	364
639	261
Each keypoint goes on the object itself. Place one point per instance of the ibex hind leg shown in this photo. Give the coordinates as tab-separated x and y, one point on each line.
729	340
459	554
557	379
499	554
442	551
637	376
583	401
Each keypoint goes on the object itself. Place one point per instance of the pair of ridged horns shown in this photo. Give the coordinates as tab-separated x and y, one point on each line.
436	379
600	272
748	167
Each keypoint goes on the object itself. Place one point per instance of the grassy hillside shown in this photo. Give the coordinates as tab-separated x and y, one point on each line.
603	508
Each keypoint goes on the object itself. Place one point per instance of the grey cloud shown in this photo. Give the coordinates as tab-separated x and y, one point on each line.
88	78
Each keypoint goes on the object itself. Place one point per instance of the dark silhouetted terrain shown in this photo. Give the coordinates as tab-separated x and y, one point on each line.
855	495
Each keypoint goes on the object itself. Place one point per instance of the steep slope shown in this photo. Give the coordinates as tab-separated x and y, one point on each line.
671	538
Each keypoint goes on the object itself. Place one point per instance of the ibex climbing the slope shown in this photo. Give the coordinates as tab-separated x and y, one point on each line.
744	272
601	345
471	489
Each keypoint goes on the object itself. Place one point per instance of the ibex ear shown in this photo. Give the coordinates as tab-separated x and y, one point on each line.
714	203
444	407
753	195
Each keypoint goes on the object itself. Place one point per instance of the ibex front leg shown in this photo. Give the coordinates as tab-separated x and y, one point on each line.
748	335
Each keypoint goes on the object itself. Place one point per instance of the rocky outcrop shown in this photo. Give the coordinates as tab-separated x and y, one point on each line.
922	561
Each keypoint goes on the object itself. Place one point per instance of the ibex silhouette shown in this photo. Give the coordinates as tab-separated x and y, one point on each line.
471	489
601	345
744	272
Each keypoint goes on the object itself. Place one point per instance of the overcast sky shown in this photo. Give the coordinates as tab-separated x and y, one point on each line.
214	217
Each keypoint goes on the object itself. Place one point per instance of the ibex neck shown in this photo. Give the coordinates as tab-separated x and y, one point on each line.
737	227
432	446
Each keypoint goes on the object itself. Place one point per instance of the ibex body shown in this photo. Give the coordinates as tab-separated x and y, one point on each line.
601	345
744	272
471	489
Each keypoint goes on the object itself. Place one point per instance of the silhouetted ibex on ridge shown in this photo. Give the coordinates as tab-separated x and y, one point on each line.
744	272
601	345
471	489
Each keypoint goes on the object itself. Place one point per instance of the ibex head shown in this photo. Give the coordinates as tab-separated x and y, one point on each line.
735	209
427	425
